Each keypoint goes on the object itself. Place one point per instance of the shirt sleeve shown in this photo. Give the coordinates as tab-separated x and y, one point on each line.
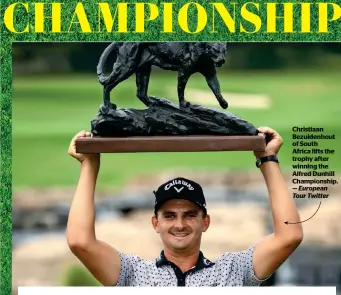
244	261
126	274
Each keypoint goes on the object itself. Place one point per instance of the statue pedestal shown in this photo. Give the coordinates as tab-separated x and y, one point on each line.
191	143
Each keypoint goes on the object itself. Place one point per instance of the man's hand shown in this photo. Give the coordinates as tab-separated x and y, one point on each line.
81	157
273	145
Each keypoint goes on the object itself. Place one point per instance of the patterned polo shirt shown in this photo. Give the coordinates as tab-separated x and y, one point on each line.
229	269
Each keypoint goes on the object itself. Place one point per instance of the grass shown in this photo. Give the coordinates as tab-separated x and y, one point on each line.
49	110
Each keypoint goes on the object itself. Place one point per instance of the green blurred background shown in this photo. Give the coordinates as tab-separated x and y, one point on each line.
56	94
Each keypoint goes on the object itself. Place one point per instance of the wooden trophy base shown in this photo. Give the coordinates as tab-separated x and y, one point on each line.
191	143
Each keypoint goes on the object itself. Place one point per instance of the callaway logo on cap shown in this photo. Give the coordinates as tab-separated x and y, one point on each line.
178	185
180	188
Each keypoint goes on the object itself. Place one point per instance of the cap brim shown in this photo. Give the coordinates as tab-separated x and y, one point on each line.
159	205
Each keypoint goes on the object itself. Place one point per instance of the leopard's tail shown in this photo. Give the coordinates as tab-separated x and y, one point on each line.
102	60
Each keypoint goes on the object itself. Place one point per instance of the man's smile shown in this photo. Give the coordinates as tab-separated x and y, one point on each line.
179	235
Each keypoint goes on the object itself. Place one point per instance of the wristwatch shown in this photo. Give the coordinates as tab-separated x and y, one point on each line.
262	160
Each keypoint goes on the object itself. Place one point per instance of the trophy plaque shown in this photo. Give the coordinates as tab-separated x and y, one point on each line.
165	126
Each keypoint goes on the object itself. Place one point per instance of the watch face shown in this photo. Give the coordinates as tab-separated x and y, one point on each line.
258	162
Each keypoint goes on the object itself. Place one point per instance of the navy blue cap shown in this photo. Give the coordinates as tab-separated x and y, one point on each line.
180	188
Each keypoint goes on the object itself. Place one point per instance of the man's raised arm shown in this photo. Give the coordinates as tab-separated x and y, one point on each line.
270	253
98	257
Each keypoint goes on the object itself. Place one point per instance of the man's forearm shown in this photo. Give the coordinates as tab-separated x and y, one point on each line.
81	222
283	207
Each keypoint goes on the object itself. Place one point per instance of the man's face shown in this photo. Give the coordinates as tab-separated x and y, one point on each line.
180	224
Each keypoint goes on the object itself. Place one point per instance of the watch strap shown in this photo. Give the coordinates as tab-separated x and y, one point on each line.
272	158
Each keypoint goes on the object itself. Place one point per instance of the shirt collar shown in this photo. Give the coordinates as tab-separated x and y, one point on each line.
202	263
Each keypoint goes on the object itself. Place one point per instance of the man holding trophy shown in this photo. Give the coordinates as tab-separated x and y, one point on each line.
180	218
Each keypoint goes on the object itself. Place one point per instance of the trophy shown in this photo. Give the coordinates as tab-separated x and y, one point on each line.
165	126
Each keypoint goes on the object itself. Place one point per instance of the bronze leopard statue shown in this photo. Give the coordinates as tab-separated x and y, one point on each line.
184	57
